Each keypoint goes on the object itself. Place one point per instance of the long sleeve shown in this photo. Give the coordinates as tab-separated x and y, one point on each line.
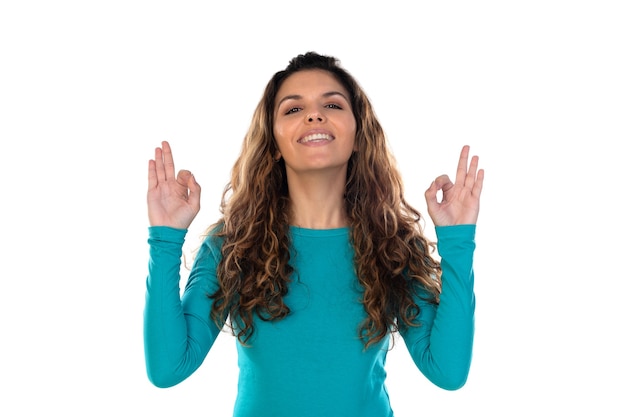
441	346
178	332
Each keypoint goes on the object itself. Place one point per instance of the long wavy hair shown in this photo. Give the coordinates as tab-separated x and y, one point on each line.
393	259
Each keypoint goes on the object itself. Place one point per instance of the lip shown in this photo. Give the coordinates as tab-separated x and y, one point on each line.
320	137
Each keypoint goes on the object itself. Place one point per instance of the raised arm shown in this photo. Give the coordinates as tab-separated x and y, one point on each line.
178	333
442	344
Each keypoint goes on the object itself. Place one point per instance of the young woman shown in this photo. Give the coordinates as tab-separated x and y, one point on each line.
316	260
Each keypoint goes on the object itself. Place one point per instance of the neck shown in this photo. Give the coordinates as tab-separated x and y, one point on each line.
317	202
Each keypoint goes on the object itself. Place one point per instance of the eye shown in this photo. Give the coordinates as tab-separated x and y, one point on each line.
334	106
293	110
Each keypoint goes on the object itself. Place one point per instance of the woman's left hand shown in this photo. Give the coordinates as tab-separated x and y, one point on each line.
460	200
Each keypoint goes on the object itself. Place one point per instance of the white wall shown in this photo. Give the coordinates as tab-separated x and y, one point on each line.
88	89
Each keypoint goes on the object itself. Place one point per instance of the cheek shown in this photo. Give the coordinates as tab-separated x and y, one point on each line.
283	132
352	122
353	129
278	132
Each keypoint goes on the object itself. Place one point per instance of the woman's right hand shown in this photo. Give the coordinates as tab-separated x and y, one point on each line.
173	201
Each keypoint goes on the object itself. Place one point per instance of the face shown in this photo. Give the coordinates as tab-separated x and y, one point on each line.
314	125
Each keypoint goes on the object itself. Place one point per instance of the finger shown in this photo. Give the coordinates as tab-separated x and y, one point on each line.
168	161
461	170
471	173
183	180
194	191
158	165
442	183
478	185
152	175
431	194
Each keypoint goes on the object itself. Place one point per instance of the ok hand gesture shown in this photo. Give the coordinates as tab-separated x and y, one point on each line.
173	201
460	200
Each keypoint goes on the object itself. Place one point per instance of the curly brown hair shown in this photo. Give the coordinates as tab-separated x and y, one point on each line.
393	259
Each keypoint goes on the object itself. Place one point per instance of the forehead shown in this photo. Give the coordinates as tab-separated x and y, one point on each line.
310	82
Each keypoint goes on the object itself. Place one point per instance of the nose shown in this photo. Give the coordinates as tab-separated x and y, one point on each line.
314	117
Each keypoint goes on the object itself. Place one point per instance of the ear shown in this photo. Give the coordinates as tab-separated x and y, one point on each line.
277	156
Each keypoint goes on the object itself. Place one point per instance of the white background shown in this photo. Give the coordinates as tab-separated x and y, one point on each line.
89	88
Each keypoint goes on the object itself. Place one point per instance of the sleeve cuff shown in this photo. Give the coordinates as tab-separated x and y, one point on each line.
458	231
166	234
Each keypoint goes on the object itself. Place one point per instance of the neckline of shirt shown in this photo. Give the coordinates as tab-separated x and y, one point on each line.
302	231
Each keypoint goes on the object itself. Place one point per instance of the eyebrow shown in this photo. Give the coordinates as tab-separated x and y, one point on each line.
299	97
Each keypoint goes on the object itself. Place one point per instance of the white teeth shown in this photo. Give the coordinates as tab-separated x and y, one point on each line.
315	136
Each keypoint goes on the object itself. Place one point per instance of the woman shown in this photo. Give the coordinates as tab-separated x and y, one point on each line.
316	260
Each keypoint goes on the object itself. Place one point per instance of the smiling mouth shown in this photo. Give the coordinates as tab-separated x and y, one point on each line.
316	137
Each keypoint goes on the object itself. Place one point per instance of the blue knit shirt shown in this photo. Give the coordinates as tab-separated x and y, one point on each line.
311	363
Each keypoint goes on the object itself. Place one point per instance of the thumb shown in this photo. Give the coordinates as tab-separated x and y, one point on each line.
194	190
431	194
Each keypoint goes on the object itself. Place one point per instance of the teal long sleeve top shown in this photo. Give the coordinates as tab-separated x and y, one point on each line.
311	363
